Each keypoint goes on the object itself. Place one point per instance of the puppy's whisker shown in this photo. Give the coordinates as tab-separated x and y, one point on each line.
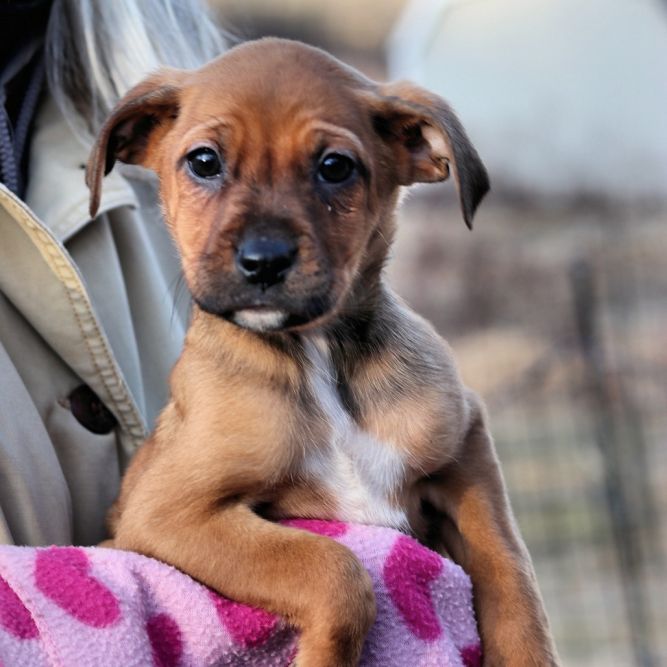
380	233
178	287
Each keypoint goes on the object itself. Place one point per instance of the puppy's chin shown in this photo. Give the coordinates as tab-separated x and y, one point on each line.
260	320
262	315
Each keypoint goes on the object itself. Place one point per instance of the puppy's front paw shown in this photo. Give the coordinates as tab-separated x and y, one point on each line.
337	627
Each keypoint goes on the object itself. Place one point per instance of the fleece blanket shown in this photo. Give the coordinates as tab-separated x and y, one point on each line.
80	607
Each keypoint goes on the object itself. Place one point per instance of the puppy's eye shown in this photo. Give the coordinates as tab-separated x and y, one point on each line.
335	168
204	162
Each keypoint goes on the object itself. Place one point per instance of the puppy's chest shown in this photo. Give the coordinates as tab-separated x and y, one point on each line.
363	476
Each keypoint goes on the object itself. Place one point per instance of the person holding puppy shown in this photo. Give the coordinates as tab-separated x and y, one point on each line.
88	325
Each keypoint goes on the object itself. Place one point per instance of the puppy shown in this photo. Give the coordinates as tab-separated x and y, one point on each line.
306	387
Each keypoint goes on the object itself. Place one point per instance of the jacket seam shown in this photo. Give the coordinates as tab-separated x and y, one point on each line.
97	347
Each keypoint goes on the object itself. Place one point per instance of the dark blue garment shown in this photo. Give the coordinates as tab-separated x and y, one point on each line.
22	28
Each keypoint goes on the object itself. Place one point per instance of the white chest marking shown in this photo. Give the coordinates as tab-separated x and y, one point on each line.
361	472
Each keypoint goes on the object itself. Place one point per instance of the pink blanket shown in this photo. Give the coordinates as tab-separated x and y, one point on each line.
74	607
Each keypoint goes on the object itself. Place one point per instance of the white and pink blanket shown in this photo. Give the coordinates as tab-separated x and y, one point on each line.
80	607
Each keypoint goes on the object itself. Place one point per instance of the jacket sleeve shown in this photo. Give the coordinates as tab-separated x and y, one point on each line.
34	500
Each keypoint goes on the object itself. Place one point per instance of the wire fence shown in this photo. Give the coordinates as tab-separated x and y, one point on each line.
558	319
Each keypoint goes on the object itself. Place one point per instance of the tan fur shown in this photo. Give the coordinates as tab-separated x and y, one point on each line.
267	425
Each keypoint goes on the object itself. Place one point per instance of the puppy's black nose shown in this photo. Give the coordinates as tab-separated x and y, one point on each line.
265	260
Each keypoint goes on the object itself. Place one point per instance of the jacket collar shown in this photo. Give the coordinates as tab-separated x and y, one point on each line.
57	192
55	299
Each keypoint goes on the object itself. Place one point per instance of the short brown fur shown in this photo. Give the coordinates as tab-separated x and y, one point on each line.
227	454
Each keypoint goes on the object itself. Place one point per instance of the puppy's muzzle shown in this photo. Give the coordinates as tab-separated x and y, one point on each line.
265	261
265	289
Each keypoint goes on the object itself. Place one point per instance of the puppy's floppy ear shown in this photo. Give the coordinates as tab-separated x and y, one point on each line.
132	126
428	139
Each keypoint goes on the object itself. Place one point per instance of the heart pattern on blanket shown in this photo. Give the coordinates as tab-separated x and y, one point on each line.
14	616
165	639
408	573
472	655
63	575
249	627
331	529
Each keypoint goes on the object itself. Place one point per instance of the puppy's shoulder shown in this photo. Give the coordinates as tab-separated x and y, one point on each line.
412	332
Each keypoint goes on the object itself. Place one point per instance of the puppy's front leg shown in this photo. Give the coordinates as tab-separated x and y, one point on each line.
481	535
315	583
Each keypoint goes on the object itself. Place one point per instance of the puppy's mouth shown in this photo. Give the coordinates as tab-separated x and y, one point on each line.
261	320
269	317
268	320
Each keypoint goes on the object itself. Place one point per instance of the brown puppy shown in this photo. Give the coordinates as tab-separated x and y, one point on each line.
306	387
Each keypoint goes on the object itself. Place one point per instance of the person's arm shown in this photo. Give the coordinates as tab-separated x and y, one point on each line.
80	606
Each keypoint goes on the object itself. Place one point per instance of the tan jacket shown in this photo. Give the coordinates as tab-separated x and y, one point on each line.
83	306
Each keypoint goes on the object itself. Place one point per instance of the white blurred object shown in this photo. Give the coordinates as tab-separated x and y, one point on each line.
561	97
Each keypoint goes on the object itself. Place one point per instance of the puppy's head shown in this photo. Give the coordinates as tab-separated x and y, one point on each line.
279	170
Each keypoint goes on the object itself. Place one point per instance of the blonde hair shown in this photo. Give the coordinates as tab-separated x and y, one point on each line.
97	49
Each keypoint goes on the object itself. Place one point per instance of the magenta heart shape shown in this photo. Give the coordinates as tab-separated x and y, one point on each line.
408	572
248	626
62	574
331	529
166	640
472	655
14	616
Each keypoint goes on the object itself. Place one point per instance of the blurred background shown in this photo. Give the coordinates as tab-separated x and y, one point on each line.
555	304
